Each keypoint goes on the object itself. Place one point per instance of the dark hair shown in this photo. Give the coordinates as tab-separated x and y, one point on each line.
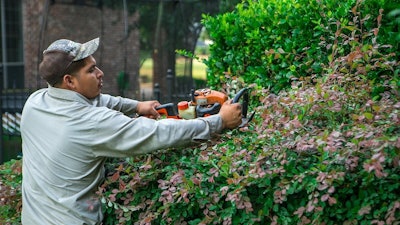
56	64
75	67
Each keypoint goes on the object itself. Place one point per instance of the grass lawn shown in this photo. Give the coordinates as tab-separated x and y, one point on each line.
198	72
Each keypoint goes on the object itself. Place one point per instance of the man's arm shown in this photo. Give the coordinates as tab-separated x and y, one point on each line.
118	136
127	106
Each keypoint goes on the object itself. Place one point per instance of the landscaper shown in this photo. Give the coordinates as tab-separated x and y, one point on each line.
70	128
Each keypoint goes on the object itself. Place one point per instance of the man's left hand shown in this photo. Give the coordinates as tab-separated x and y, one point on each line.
148	109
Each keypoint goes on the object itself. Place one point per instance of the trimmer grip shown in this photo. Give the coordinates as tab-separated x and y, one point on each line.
167	110
203	111
242	93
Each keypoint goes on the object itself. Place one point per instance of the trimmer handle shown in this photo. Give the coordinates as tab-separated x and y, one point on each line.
203	111
167	110
245	103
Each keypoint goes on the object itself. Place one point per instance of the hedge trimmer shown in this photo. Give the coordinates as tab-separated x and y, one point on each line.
205	102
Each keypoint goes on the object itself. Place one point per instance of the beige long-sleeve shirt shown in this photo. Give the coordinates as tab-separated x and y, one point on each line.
66	139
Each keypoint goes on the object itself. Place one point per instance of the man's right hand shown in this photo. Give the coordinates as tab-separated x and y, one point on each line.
231	114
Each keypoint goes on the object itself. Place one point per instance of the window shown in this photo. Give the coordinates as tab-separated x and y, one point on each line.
11	51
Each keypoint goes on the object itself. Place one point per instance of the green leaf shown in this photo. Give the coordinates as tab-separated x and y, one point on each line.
368	115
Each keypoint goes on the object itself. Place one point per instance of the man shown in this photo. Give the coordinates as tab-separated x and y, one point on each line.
69	129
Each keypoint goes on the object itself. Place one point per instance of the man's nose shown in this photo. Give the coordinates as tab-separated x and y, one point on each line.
100	73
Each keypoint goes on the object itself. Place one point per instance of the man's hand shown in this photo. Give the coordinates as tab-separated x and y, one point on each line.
148	108
231	114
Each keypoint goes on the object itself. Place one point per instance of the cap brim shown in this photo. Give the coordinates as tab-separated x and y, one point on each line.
87	49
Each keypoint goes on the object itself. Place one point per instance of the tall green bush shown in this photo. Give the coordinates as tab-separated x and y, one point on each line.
269	42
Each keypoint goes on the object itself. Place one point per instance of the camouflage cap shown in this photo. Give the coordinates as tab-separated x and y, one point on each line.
77	50
59	56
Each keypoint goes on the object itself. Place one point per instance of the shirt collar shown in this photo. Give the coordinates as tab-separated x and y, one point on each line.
70	95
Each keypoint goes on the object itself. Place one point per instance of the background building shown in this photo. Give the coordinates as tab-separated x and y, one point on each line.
28	27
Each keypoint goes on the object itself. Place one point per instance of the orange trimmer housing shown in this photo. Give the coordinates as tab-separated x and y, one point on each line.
209	97
208	102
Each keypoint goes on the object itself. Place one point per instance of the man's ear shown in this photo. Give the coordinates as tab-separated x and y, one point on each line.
68	81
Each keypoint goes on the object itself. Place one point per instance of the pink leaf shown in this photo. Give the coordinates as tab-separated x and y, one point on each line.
299	212
332	201
325	197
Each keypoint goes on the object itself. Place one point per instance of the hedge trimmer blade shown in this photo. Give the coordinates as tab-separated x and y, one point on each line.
245	120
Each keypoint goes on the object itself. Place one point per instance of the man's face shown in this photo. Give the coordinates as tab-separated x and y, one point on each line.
89	79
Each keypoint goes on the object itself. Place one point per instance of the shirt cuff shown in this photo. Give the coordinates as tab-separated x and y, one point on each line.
215	123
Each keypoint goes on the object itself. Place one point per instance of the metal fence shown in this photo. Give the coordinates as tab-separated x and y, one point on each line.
12	102
178	88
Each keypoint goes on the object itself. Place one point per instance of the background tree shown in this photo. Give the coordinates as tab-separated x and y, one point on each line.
167	25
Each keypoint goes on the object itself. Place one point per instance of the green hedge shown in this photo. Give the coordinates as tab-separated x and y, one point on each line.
269	42
326	151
